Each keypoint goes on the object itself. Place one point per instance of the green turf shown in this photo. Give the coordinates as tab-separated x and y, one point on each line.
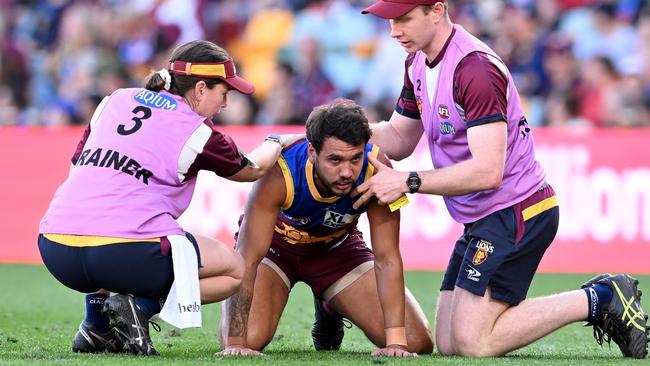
38	318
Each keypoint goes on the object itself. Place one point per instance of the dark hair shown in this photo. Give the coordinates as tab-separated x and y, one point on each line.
194	51
343	119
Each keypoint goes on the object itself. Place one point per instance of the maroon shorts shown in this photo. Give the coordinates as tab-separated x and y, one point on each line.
317	265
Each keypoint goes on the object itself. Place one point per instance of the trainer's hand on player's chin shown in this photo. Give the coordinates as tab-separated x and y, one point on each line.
239	351
393	351
386	184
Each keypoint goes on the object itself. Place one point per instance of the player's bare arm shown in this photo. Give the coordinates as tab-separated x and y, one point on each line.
484	170
384	233
253	242
397	137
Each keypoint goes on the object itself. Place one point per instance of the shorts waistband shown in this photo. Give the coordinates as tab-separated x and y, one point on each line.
92	241
543	199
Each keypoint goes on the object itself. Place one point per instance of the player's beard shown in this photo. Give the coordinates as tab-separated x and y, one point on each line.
330	187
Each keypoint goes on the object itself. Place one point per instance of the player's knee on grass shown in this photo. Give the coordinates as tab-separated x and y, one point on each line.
420	341
444	345
470	344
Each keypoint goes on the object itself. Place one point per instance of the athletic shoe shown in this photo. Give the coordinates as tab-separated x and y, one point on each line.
623	319
594	280
327	331
90	340
129	325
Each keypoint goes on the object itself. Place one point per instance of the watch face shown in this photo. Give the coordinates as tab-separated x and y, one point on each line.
413	182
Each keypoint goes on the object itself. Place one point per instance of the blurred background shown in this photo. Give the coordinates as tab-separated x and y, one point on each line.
582	68
576	63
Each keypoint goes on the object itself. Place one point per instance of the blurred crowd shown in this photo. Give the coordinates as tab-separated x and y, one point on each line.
579	63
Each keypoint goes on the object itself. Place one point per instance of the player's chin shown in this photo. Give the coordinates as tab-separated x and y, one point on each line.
342	190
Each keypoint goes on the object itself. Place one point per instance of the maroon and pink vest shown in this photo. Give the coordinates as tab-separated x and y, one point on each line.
126	182
446	133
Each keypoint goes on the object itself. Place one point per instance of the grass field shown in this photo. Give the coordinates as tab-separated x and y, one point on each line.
38	318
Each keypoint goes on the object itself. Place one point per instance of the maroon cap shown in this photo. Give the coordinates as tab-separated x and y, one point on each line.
224	70
391	9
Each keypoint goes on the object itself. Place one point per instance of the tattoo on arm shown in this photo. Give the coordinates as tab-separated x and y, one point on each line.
238	306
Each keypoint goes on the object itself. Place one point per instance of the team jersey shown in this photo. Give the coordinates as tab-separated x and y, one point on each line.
135	168
306	217
446	128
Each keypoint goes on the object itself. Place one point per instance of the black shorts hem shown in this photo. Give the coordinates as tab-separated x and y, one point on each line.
497	295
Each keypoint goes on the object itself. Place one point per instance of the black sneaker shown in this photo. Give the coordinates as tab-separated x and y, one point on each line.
327	331
129	325
594	280
623	319
90	340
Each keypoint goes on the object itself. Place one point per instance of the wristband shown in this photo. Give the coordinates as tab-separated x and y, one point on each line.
395	336
234	341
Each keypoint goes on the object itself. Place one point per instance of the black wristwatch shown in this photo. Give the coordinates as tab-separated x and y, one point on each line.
413	182
275	138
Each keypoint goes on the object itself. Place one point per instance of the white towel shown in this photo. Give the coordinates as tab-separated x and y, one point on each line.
182	307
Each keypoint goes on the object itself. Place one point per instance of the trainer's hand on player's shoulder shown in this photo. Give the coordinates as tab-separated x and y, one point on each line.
393	351
386	184
239	351
291	138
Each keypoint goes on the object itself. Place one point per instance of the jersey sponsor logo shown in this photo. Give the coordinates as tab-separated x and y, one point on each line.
483	249
418	101
156	100
472	273
443	111
336	220
447	128
297	220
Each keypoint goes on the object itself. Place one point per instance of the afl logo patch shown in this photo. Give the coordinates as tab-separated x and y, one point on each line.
419	103
447	128
443	111
156	100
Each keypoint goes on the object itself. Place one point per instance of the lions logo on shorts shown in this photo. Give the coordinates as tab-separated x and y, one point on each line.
483	248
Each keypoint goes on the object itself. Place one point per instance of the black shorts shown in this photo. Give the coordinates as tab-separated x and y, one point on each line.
139	268
503	250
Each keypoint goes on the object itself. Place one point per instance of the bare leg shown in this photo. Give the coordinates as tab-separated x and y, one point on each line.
443	323
484	327
222	270
359	302
270	296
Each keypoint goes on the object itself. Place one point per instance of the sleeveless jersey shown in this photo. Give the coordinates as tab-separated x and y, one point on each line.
306	217
446	132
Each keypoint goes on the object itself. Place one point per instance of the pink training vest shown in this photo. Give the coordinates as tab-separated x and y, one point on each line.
126	182
446	133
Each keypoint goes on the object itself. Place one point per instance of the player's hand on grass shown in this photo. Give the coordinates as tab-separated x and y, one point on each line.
393	351
239	351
